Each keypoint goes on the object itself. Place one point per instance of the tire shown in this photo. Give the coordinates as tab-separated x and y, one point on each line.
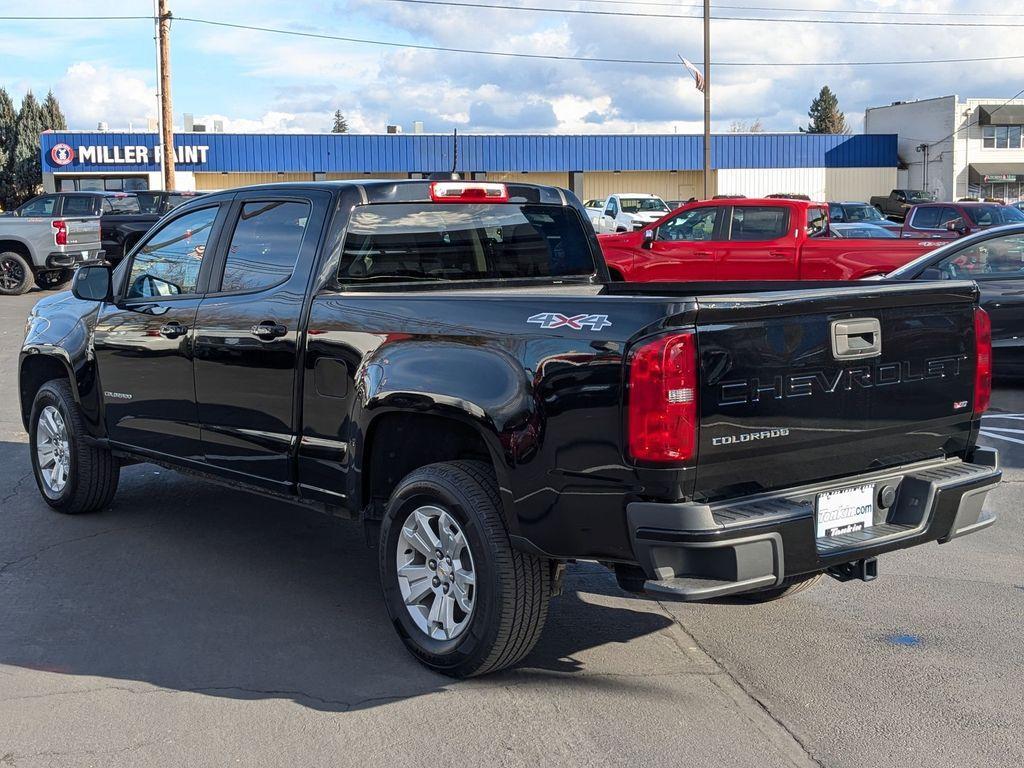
53	278
91	472
510	590
16	275
787	588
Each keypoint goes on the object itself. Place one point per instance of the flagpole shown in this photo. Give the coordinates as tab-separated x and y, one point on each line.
707	99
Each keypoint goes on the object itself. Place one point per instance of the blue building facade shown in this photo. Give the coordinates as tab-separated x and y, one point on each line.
217	160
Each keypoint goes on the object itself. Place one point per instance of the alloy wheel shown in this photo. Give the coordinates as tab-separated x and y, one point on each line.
53	450
12	274
435	573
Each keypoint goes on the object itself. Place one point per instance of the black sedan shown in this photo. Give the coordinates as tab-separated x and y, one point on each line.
994	258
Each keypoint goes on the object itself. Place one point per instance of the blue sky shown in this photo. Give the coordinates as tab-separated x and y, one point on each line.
255	81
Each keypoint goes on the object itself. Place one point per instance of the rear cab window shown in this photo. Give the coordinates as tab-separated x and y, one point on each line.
119	204
759	223
79	205
417	242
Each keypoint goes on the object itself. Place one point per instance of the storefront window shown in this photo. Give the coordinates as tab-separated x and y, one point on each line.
102	183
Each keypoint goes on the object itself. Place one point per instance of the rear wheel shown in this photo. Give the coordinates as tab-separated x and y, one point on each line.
462	599
52	278
788	587
73	476
15	274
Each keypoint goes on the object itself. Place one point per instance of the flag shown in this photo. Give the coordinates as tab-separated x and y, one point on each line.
698	76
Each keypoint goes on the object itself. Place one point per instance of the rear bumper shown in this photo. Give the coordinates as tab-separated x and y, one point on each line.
68	259
699	551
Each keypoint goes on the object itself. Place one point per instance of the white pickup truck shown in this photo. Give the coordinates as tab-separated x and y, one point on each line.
625	212
44	250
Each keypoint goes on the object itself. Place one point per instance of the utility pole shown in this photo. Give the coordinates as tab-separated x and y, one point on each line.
707	99
163	21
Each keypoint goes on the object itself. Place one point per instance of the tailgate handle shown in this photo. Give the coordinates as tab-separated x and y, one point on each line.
854	339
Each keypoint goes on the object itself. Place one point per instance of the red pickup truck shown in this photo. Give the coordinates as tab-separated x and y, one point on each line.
751	239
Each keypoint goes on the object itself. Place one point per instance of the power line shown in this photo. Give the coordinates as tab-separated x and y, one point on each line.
862	12
518	55
971	125
765	19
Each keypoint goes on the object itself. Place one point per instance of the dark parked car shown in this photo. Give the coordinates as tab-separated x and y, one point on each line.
860	213
449	363
899	201
948	221
159	201
79	204
994	259
121	230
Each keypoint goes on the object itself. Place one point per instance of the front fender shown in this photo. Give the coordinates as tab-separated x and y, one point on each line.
59	330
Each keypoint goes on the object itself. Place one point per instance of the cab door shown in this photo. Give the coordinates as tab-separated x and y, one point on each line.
760	244
249	332
143	342
685	247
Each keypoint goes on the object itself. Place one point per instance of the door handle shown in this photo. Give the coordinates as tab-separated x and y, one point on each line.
268	329
173	330
702	253
778	254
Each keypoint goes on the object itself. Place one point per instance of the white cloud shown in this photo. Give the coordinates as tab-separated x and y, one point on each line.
90	93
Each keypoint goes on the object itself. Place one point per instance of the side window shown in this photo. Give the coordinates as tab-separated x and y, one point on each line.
78	205
997	257
168	264
41	206
817	219
694	224
265	245
759	223
926	218
947	215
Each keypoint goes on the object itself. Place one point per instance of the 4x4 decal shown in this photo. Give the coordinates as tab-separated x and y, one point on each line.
574	322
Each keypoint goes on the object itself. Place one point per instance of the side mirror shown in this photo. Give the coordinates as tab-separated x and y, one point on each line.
932	273
648	240
957	225
93	283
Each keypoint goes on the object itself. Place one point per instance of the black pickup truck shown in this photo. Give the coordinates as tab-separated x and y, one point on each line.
123	227
448	362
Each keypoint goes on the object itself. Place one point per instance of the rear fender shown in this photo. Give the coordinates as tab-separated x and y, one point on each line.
481	387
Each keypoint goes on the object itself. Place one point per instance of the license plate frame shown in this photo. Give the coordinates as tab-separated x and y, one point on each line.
846	510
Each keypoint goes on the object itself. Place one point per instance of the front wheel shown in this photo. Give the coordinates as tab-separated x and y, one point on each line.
15	274
462	599
73	475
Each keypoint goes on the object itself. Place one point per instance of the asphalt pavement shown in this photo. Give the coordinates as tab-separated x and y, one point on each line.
193	625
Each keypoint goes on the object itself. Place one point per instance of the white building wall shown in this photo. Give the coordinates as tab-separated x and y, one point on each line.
970	148
760	182
855	184
929	121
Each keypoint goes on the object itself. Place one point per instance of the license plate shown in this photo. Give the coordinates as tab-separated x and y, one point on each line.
85	255
845	511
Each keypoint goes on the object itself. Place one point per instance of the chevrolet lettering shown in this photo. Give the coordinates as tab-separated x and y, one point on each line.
450	364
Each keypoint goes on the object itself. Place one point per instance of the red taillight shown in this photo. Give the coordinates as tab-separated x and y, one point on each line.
983	361
468	192
662	414
60	237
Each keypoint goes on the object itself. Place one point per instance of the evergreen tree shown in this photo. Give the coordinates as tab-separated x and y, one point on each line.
340	123
8	134
825	115
26	172
53	118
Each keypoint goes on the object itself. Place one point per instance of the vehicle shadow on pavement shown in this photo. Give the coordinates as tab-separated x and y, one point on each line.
189	586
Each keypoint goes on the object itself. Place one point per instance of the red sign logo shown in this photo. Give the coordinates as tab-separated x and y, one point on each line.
62	154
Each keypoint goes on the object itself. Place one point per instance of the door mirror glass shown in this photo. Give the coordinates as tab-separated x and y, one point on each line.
932	273
956	225
648	238
92	283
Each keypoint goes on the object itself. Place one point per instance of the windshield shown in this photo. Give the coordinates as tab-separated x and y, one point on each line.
919	196
862	212
403	242
642	204
994	215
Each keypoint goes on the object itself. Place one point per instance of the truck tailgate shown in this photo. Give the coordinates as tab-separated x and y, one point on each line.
785	399
83	231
